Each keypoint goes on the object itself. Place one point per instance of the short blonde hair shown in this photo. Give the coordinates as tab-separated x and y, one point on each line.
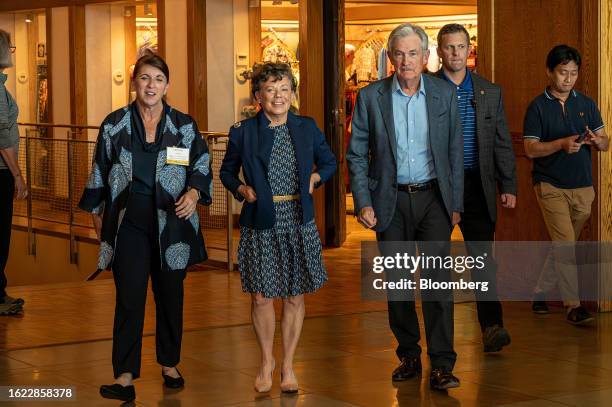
5	50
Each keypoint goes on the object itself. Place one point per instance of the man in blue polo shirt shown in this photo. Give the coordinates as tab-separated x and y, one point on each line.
562	127
489	166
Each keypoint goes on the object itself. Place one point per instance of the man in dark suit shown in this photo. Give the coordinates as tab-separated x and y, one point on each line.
406	166
488	162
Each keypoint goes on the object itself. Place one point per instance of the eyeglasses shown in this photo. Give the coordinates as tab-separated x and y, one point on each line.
12	48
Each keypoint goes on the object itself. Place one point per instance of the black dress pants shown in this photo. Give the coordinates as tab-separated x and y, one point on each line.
478	233
7	190
137	257
421	217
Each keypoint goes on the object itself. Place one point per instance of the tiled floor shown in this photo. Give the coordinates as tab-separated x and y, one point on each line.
345	357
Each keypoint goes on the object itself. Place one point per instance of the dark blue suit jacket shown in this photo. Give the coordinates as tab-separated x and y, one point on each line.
250	147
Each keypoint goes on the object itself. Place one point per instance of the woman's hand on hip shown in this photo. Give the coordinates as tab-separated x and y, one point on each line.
248	193
314	178
186	205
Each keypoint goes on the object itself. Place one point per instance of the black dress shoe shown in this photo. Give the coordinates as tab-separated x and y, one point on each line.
495	338
442	379
173	382
408	368
118	392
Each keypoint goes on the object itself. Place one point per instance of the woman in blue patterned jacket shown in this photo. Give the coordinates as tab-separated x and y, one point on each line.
150	170
279	254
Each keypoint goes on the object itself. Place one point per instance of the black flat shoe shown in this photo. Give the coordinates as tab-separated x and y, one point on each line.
118	392
173	382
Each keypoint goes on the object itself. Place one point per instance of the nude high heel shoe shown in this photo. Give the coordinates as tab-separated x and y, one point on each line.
264	385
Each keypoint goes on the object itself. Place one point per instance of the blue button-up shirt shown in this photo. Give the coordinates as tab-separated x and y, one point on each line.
414	158
467	111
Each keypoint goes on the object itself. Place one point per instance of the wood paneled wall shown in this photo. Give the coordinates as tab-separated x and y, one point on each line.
513	45
335	118
78	64
605	159
129	27
254	31
196	62
161	28
311	81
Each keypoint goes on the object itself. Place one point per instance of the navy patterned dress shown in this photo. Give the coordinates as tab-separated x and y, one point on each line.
285	260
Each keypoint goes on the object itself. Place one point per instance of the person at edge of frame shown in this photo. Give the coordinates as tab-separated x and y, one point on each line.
562	129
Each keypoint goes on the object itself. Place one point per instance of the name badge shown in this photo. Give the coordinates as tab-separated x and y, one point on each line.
177	156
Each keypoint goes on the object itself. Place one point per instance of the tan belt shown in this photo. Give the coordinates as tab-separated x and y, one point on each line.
284	198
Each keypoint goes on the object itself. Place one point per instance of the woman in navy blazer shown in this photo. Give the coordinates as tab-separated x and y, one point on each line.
279	254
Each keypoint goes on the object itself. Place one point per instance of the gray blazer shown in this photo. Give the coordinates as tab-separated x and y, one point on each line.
372	150
495	152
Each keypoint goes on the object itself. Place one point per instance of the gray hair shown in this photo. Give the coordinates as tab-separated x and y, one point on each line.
404	30
5	50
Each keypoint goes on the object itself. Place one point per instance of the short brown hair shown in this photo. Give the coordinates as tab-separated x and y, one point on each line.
453	29
5	50
263	72
154	60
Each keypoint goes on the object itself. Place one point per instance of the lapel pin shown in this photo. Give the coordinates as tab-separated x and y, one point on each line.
482	92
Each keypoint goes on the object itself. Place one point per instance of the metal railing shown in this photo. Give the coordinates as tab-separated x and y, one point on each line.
56	159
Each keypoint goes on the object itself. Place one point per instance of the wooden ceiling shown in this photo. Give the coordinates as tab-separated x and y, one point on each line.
362	10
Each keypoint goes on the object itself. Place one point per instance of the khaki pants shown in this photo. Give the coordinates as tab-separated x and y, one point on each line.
565	211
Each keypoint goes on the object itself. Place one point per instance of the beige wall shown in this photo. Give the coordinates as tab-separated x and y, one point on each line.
117	63
60	71
220	68
60	85
176	53
98	57
21	90
7	23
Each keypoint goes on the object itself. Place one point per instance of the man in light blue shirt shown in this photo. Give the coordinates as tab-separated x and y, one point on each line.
414	160
406	166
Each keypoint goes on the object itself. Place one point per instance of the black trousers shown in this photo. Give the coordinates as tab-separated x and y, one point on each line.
7	190
137	257
479	232
421	216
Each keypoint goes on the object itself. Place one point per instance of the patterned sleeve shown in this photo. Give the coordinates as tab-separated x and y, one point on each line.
199	172
96	189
